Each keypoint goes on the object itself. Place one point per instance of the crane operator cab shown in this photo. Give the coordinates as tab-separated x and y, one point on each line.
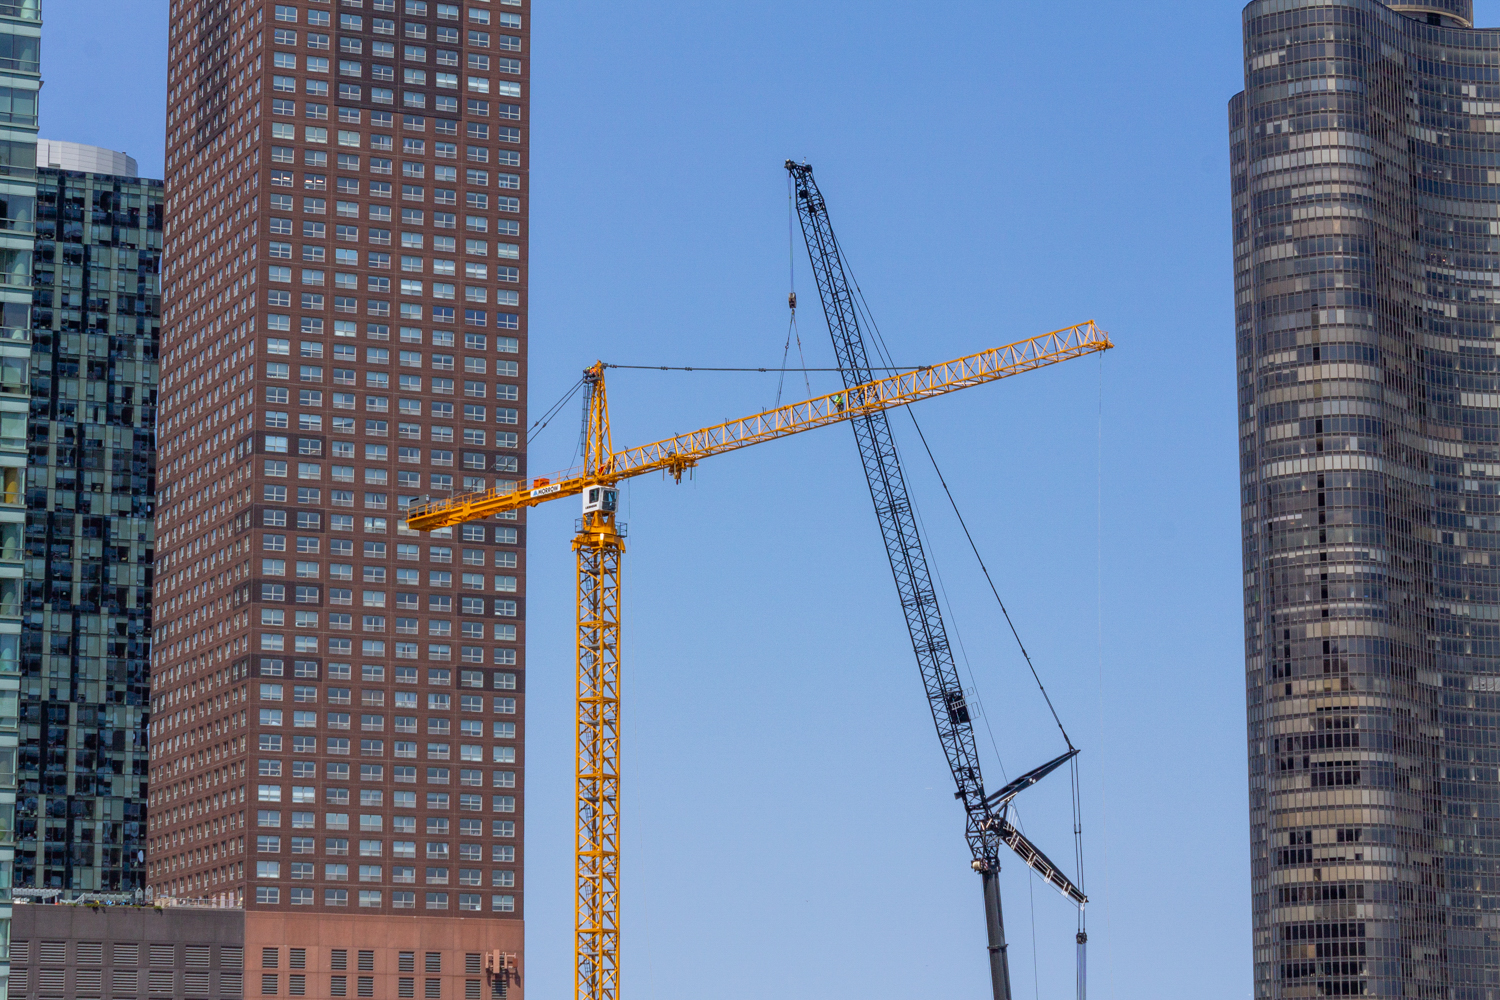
600	498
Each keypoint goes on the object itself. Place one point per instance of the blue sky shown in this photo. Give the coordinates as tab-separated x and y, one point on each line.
994	170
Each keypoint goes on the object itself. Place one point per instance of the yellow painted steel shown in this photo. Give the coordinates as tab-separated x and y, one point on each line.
596	844
599	547
680	453
596	945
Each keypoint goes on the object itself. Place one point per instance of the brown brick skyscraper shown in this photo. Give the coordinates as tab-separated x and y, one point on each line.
336	735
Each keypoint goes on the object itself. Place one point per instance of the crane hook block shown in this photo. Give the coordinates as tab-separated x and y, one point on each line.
791	301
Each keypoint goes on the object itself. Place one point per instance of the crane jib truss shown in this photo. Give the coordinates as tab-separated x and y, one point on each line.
680	452
984	829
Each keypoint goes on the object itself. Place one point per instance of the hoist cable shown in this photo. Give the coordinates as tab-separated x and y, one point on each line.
552	411
786	350
791	297
880	346
990	580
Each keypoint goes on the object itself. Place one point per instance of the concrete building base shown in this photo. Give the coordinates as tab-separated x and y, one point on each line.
141	952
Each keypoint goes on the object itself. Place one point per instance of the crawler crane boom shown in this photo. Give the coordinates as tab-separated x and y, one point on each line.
599	547
985	828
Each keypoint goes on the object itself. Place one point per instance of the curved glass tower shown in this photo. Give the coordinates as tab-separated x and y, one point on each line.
1366	197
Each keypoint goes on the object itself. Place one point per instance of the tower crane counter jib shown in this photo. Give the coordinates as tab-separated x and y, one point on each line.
599	546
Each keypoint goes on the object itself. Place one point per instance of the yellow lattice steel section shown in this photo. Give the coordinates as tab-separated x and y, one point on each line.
596	946
677	454
596	806
599	547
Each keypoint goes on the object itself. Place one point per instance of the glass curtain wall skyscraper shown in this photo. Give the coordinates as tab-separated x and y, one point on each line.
1365	170
90	537
20	81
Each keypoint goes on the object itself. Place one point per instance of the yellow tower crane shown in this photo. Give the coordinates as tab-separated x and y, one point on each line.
599	546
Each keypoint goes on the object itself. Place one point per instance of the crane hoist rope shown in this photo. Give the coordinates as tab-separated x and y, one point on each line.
986	821
599	546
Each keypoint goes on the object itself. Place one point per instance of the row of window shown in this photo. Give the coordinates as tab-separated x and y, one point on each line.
438	385
272	493
474	201
312	230
338	958
374	823
338	871
288	14
405	480
413	359
380	477
409	552
436	701
410	77
275	642
349	186
440	603
339	847
319	42
474	412
369	798
278	444
467	728
475	62
376	427
501	680
311	570
339	745
409	169
337	770
379	142
439	482
381	261
410	312
437	457
315	277
318	205
270	895
436	627
313	521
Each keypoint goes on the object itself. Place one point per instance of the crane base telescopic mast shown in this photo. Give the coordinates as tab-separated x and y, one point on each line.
599	546
994	922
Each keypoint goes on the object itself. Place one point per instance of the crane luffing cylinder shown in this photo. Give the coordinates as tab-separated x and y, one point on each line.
681	452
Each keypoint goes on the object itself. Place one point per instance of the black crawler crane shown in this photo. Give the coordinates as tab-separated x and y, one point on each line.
986	817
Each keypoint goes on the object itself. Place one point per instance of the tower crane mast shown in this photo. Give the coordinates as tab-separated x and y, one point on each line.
985	828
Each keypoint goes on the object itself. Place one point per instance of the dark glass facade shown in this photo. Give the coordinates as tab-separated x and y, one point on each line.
20	81
90	537
1365	167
